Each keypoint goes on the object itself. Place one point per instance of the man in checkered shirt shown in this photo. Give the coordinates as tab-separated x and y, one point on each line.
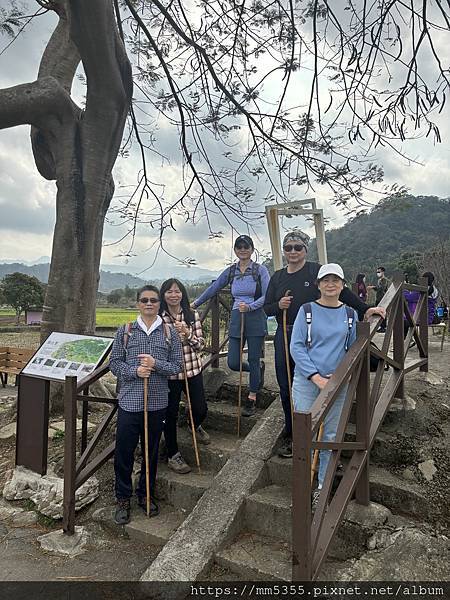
146	349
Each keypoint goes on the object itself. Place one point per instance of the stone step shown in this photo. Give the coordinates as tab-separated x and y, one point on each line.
155	531
222	416
212	456
228	392
182	491
255	557
397	494
273	504
393	448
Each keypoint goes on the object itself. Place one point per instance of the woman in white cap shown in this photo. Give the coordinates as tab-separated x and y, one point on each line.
323	332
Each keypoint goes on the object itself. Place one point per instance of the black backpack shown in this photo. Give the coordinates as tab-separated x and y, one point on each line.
255	274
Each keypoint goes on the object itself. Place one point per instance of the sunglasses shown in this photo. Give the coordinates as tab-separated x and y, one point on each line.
147	300
292	247
243	247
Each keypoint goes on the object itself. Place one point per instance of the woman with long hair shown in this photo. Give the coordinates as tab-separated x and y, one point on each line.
176	311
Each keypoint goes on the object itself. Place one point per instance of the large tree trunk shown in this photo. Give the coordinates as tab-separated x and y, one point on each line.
76	148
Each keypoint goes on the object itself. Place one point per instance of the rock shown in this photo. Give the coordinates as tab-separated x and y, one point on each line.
25	519
46	491
8	431
62	543
406	555
8	512
428	469
60	426
370	517
408	474
433	379
213	380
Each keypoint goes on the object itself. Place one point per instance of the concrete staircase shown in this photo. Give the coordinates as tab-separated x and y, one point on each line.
178	494
262	549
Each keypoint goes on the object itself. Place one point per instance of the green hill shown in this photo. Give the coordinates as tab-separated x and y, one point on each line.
394	228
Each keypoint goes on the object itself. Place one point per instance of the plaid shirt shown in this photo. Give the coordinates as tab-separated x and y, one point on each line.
191	345
124	363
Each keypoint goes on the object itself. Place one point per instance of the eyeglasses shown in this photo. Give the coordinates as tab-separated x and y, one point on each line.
147	300
243	247
292	247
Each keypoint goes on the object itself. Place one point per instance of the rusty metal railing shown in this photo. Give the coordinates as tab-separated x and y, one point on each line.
313	534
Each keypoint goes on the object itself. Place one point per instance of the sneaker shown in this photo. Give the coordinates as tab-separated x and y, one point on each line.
262	370
202	436
315	499
122	514
154	508
178	464
249	408
286	449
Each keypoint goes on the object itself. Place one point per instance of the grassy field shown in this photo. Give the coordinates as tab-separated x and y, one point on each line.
105	316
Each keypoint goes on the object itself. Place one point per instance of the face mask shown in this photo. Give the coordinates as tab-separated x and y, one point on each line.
379	274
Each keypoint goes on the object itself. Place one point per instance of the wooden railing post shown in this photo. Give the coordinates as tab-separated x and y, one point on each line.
70	439
398	333
301	498
363	414
423	325
215	331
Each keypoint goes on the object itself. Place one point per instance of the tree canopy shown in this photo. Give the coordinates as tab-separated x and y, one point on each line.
22	292
266	98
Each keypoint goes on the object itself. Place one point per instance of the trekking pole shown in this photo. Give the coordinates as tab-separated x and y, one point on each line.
316	453
287	357
147	460
191	418
241	351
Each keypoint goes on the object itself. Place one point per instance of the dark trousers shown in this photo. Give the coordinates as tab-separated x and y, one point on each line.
282	376
198	404
130	429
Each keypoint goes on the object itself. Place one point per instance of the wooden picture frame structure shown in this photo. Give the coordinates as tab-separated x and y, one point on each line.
305	207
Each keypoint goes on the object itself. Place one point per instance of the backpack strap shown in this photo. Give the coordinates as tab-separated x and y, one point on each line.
256	274
127	334
231	273
168	333
308	314
350	319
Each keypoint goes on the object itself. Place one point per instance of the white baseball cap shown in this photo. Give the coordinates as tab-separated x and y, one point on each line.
330	269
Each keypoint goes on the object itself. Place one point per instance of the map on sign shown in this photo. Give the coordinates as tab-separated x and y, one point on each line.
68	354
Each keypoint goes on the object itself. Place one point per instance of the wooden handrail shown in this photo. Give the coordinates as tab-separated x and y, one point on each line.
311	537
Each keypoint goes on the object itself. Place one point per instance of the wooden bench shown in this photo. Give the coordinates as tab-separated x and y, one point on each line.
12	361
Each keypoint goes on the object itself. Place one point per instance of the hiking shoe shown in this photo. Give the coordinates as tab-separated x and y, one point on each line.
122	514
178	464
285	450
154	508
315	499
249	408
262	370
202	436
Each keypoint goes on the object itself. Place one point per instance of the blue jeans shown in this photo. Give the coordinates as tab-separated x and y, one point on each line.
304	393
255	329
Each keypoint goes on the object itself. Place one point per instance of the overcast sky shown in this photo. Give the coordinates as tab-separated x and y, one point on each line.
27	202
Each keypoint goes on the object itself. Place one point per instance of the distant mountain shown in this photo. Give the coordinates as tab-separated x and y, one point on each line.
394	227
110	280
